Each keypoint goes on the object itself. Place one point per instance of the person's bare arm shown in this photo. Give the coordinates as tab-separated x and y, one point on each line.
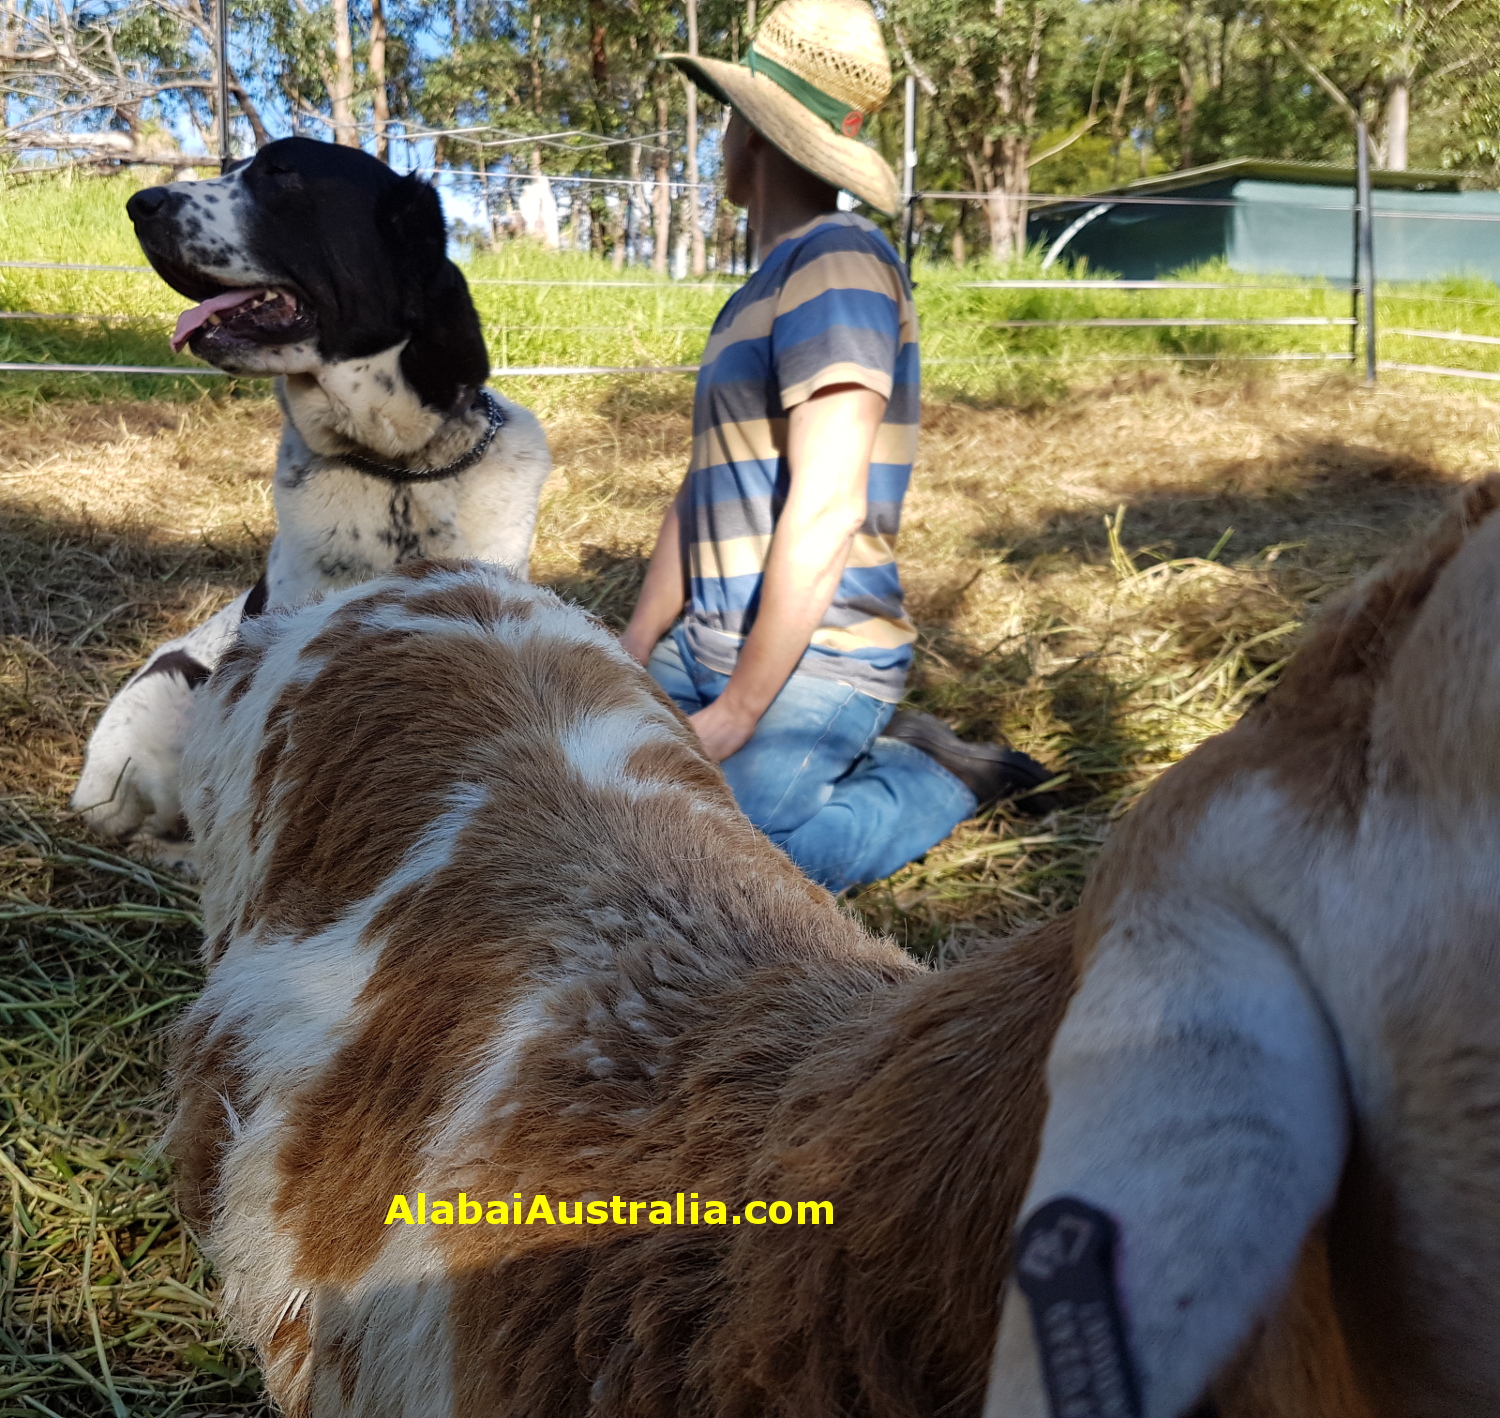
829	441
663	592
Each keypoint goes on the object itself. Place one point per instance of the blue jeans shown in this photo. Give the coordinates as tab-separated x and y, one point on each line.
844	804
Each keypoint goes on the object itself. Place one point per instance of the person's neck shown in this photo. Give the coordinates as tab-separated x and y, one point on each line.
774	217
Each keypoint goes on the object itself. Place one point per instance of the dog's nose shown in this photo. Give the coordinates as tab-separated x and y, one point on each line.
146	203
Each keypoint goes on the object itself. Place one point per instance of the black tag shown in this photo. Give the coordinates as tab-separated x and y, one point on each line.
1065	1264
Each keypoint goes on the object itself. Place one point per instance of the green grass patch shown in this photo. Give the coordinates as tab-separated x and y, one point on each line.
106	1307
571	308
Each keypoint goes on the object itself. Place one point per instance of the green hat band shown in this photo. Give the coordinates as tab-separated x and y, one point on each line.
838	115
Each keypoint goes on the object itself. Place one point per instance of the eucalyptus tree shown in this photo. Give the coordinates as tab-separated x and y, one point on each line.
1409	66
106	78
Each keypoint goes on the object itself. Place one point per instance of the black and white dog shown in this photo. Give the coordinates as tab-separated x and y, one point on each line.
321	265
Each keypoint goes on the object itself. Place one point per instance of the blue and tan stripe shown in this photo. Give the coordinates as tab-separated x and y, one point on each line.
829	307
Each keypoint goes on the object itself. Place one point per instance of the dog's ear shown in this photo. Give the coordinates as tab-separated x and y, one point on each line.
410	217
445	359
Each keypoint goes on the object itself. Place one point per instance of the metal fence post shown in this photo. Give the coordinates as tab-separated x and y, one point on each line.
1366	253
1354	234
909	169
221	76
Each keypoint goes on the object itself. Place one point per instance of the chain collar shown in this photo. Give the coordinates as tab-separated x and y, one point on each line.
495	417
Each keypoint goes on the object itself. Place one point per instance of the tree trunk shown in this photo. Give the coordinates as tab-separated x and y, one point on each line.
1186	112
535	58
662	195
1005	209
632	205
1117	121
341	91
724	231
614	234
694	206
377	80
1397	122
1006	164
598	52
1148	127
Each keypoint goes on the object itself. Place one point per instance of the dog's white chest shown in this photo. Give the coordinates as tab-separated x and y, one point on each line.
337	526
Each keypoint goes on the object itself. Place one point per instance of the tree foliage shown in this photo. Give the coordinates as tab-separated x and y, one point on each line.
1020	96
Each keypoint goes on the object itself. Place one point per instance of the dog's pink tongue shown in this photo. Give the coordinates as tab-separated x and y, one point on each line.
190	320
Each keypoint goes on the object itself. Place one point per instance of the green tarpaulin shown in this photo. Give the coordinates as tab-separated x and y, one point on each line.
1267	218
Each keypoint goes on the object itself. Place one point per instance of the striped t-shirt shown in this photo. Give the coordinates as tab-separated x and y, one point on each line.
831	305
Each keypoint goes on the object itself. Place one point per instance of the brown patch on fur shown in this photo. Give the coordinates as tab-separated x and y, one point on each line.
633	1311
335	846
478	605
894	1308
215	946
235	672
672	765
285	1360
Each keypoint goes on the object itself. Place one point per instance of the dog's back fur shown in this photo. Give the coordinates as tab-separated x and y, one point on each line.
542	951
471	970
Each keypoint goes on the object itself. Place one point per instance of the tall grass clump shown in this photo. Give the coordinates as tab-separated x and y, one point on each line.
595	315
1458	306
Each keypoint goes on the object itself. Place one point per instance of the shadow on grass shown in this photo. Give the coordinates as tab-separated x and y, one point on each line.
81	604
607	584
99	954
1252	547
1329	498
73	580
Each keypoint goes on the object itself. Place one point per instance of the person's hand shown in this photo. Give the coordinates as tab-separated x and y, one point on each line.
724	728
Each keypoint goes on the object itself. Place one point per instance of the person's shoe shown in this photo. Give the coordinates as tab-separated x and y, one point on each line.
992	772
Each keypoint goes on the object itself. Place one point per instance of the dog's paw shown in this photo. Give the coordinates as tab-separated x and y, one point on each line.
178	856
103	803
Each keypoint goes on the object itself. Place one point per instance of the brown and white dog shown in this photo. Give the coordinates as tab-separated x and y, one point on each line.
320	265
1289	1018
540	951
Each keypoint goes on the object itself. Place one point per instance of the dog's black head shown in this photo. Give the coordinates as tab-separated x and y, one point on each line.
311	254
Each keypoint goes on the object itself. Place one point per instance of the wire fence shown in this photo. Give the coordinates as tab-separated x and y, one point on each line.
1454	339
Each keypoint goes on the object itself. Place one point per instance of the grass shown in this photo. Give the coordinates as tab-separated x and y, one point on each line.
104	1295
1105	571
630	318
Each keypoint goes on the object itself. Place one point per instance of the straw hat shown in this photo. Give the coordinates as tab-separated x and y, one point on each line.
816	70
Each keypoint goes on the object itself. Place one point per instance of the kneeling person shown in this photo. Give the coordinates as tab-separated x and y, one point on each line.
793	645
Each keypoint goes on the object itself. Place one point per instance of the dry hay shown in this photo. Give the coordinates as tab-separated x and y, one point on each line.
1068	566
